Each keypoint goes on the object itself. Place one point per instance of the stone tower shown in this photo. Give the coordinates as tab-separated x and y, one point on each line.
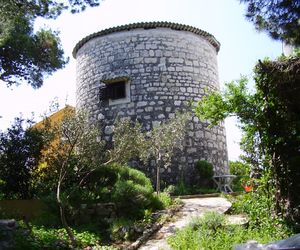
147	71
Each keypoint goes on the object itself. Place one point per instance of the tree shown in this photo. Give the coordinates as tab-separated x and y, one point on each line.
163	140
75	152
130	142
280	18
20	151
270	122
26	56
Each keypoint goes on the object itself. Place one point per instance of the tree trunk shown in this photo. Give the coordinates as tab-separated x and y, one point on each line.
63	217
158	174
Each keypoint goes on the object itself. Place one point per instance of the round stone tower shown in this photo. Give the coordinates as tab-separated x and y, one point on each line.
148	71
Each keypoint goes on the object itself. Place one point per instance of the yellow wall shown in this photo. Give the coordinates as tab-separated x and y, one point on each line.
56	117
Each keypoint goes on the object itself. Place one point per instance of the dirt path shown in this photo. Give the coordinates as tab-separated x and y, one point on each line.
192	207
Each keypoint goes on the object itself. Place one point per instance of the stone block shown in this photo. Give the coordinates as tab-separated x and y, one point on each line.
109	130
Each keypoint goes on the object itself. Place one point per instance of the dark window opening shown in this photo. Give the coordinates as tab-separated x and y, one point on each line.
116	90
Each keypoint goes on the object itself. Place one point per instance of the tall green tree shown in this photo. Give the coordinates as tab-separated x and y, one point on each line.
20	152
269	118
280	18
25	55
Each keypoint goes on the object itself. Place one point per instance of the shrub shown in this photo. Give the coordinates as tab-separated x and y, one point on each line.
211	232
211	220
205	172
165	199
186	239
204	169
242	172
170	189
133	193
138	177
50	238
261	213
121	229
97	187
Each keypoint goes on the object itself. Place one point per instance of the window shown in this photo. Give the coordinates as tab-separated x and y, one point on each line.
116	90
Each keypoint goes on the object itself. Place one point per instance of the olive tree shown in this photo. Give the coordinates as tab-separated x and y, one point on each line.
158	144
75	152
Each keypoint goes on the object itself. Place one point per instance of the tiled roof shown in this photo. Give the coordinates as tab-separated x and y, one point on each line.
149	25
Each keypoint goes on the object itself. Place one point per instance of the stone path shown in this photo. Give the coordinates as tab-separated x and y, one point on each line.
192	207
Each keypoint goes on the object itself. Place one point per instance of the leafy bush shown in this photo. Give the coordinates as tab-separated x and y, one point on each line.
133	192
121	229
165	199
51	238
170	189
138	177
242	172
211	220
183	189
205	172
97	187
204	169
261	213
20	151
211	231
131	198
186	239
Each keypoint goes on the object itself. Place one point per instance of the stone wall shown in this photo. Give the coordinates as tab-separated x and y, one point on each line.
166	70
88	213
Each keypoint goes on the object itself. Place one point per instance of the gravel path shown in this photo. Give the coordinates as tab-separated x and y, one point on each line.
192	207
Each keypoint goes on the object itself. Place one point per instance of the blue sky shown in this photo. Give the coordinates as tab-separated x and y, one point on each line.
241	47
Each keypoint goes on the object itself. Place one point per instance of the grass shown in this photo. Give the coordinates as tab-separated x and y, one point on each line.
52	238
212	232
45	235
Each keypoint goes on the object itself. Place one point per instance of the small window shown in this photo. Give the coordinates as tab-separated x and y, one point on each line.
116	90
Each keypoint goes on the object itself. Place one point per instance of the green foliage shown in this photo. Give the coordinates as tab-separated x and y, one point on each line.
75	151
129	141
211	231
121	229
26	56
242	172
165	199
159	144
181	188
96	187
20	151
269	119
260	210
235	100
186	239
128	188
211	221
279	18
133	192
204	169
170	189
51	238
225	239
129	228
